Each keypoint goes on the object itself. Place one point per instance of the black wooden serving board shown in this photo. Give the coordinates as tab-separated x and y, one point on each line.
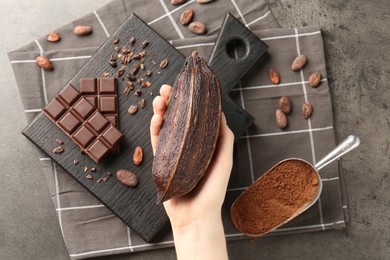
135	206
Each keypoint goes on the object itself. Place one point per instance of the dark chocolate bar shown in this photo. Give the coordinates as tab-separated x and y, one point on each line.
83	123
102	94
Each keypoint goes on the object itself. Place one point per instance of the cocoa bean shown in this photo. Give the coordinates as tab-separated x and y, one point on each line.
149	73
132	40
144	44
164	64
177	2
44	62
138	93
135	69
314	79
138	156
82	30
53	37
299	62
307	110
127	178
58	150
146	84
285	105
274	76
197	28
132	110
281	118
186	17
142	103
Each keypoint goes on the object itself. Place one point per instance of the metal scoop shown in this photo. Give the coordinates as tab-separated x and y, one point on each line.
350	143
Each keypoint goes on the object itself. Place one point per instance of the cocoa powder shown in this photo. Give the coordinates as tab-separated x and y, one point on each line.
280	194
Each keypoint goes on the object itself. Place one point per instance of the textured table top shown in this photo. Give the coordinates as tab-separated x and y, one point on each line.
357	41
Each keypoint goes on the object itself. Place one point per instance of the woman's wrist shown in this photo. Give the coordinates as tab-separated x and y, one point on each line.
201	239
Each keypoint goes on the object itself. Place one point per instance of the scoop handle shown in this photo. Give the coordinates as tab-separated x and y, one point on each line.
350	143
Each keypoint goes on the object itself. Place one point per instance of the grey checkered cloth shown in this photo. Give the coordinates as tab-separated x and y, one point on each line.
89	228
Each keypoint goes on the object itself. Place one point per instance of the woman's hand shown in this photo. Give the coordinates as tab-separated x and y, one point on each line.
199	211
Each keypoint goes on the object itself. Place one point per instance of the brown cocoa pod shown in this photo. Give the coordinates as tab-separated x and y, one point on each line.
189	134
274	76
53	37
82	30
197	27
285	104
177	2
307	110
186	17
44	62
138	156
299	62
314	79
127	178
281	118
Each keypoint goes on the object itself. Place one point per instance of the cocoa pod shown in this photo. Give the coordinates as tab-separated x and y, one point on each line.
190	131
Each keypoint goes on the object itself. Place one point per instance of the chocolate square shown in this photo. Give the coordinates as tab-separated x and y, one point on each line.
83	108
83	136
97	122
107	105
69	122
97	149
88	86
107	86
54	109
111	135
68	95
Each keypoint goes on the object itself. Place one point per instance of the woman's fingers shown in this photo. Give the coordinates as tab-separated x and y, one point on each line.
155	126
159	107
165	92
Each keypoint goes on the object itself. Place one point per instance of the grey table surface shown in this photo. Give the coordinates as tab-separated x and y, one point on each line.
357	45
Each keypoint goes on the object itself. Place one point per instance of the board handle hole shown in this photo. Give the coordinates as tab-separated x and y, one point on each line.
236	49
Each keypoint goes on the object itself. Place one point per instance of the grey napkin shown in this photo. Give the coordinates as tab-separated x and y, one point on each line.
89	228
